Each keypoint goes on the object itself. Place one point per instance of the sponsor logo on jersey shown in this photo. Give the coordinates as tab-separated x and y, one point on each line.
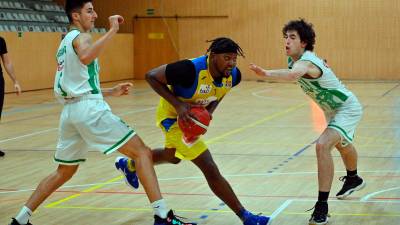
205	89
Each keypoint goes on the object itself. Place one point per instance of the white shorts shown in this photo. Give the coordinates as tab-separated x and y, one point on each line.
88	123
345	119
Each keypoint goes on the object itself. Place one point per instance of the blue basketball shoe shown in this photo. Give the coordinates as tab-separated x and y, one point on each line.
250	219
127	168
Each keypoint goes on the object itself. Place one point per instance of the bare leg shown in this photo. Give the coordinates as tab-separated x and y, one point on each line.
349	156
325	143
50	184
217	182
167	155
141	154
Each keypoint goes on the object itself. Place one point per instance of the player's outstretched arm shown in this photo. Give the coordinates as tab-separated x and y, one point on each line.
299	69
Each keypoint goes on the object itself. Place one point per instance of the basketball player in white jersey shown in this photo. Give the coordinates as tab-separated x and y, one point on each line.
86	121
341	107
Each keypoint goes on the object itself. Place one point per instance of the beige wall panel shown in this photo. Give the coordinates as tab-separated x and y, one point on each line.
358	37
116	61
33	56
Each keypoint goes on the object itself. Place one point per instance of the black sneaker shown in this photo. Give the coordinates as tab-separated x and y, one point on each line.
170	220
320	215
15	222
350	185
2	153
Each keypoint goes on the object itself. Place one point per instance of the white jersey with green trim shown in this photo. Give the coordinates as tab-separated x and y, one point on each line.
73	78
327	90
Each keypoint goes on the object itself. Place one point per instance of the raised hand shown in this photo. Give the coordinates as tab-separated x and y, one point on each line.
258	70
121	89
115	21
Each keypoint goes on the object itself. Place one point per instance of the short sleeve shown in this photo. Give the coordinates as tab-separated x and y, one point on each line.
3	46
237	77
182	73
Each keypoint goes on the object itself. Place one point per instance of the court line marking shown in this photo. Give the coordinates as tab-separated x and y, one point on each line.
52	204
202	177
281	208
132	209
390	90
135	209
257	94
368	196
265	119
49	103
270	117
210	141
28	135
52	129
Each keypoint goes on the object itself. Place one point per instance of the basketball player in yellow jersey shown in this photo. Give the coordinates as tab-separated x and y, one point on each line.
201	81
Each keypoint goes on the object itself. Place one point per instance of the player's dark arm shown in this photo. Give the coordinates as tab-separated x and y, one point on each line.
158	81
212	106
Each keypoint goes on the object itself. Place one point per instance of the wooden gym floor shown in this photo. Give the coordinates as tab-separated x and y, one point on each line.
261	137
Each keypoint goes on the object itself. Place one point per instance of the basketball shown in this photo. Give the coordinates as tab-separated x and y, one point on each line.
198	124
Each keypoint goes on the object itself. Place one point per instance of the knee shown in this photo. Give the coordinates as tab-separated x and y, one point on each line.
144	152
211	171
322	147
66	172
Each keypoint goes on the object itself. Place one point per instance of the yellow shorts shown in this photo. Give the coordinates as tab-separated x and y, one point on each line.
173	139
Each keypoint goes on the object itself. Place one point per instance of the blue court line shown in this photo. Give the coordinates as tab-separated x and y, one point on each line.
390	90
293	156
220	206
283	163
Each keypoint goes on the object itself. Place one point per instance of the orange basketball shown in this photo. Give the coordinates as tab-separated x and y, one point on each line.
198	123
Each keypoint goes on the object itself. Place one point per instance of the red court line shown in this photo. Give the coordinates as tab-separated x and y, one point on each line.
206	194
183	194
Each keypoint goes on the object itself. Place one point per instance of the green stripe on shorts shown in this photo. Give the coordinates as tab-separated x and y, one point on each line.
342	131
119	142
69	161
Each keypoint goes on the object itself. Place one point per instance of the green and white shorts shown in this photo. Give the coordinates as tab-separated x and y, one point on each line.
87	123
345	119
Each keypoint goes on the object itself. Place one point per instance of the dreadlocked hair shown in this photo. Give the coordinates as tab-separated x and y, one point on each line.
224	45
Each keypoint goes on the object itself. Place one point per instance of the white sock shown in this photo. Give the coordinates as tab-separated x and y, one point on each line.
24	215
160	208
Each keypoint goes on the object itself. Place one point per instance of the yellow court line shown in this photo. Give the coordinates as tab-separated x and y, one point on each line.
53	204
217	211
270	117
136	209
